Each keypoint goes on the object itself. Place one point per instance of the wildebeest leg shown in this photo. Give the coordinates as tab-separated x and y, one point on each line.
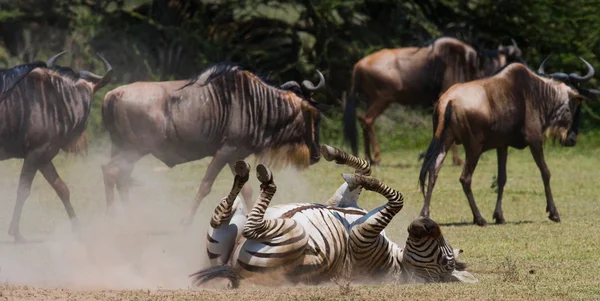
118	173
27	174
502	156
367	121
538	156
455	157
246	189
465	180
433	175
49	172
220	159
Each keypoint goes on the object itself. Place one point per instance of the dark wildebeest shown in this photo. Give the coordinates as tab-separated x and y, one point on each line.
415	76
515	108
44	108
224	112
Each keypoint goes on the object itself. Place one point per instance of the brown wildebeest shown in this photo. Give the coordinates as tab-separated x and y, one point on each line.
224	112
44	108
415	76
515	108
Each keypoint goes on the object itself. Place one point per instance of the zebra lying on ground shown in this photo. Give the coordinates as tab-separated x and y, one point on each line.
296	243
230	215
285	250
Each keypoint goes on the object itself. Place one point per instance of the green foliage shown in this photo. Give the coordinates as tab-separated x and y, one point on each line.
288	40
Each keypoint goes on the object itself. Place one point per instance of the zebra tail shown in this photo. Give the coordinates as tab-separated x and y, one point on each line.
436	144
221	271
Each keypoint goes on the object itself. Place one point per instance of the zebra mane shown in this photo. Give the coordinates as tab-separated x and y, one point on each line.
9	78
212	72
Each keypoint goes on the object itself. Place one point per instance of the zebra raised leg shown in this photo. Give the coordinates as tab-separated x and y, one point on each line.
330	153
227	220
369	250
224	210
344	197
258	228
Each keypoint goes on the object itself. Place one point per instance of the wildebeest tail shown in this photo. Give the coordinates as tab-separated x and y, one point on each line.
108	115
350	131
221	271
78	146
440	124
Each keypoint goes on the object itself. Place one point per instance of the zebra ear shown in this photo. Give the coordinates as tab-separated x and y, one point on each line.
457	252
463	276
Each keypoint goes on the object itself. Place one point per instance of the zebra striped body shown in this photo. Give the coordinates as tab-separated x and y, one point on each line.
44	108
224	112
289	243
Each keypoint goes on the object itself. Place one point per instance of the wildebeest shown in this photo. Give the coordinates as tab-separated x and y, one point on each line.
44	108
515	108
415	76
224	112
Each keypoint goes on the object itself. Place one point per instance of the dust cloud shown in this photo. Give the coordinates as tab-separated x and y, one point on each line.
142	246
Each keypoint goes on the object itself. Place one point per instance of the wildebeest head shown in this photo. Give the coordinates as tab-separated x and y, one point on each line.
310	111
565	120
425	239
512	53
95	81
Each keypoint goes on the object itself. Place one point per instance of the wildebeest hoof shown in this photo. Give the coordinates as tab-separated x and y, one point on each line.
242	168
263	174
19	238
554	217
458	162
374	162
186	222
480	221
499	218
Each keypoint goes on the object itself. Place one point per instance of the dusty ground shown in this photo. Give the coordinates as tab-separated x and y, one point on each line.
144	254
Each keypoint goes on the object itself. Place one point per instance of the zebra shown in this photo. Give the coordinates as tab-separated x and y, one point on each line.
292	243
230	214
427	256
229	217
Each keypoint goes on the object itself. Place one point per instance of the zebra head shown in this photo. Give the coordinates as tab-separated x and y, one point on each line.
428	257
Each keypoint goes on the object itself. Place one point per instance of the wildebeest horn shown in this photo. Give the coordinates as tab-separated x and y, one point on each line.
560	76
50	61
99	81
541	69
514	43
587	77
310	87
290	84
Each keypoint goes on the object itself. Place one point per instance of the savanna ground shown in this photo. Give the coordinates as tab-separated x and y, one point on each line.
144	253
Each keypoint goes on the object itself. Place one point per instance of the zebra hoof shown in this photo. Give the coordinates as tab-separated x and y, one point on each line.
328	152
242	168
352	180
263	174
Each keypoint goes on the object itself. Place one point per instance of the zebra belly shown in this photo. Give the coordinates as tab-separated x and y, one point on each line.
313	252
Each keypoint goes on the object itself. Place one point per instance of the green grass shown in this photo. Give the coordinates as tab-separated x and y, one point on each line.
528	258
